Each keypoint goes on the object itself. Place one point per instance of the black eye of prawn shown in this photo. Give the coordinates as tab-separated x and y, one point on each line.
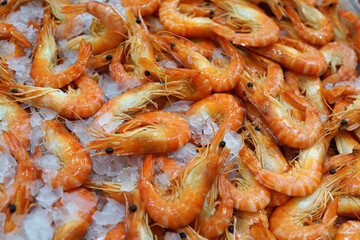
108	57
133	208
109	150
138	20
222	144
182	235
12	208
4	2
332	171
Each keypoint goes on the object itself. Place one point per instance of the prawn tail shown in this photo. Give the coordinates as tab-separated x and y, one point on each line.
85	51
21	39
250	160
118	54
260	231
15	147
76	8
330	214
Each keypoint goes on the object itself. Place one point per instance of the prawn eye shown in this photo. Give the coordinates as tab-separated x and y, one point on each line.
182	235
147	73
279	4
98	191
236	31
344	122
14	91
231	229
138	20
332	171
108	57
222	144
109	150
250	84
4	2
257	128
12	208
212	12
172	45
133	208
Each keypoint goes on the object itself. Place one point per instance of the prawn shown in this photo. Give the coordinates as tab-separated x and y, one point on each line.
199	10
82	99
69	25
152	132
75	162
16	200
181	206
289	131
222	108
182	25
106	33
339	54
270	157
259	29
348	231
45	60
295	55
10	5
74	229
10	31
309	22
141	7
15	119
309	217
136	222
132	102
355	21
212	223
221	79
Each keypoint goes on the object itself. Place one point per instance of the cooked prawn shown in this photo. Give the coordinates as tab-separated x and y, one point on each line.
260	30
181	206
10	31
289	131
153	132
295	55
348	231
15	119
82	99
212	223
75	162
106	33
74	229
339	54
309	22
222	108
183	25
69	25
141	7
45	60
18	195
309	217
221	79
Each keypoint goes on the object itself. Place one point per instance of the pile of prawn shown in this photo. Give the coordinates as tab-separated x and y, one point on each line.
279	76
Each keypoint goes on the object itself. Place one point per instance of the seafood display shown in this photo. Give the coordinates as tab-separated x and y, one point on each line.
179	119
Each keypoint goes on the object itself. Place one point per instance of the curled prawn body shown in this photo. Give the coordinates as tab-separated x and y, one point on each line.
263	30
295	55
15	119
222	108
18	194
82	99
337	53
182	25
221	79
141	7
132	102
105	35
348	231
181	206
287	130
74	229
75	161
309	22
212	225
153	132
45	57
